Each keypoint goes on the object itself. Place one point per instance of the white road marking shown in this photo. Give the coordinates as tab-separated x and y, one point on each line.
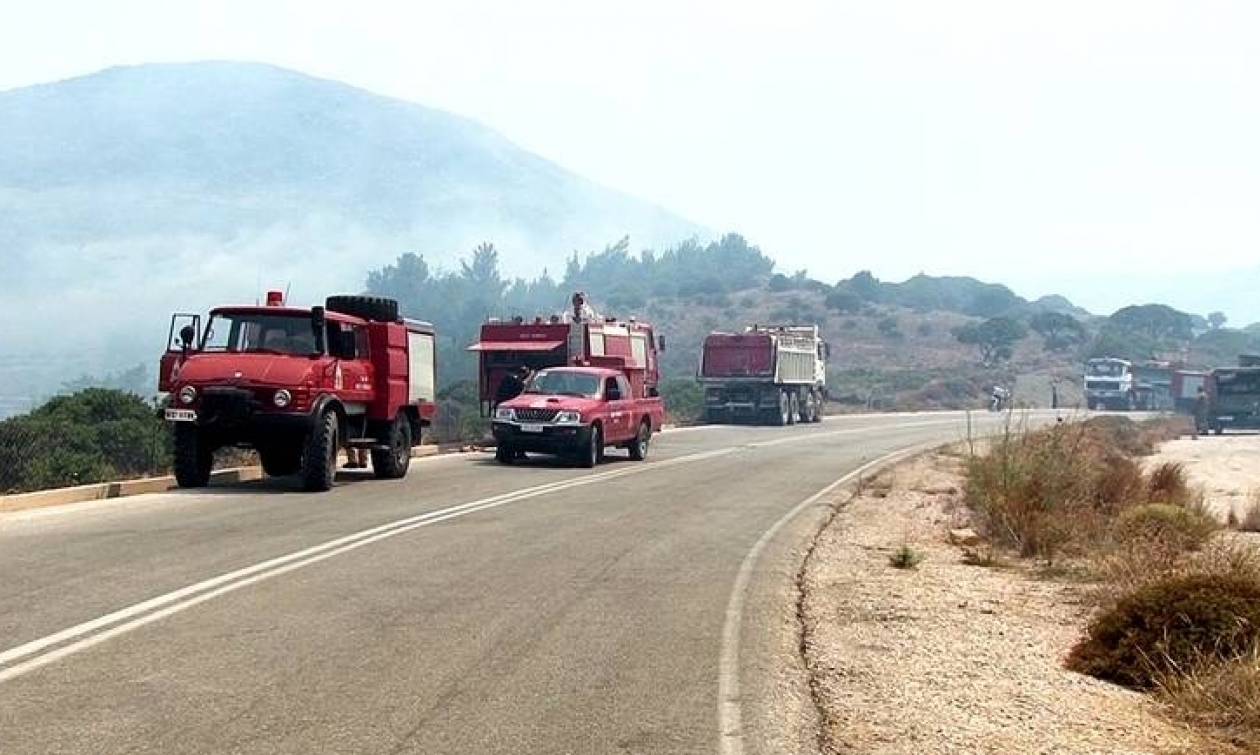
80	637
729	709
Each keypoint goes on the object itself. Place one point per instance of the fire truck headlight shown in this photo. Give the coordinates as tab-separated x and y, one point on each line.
505	413
187	395
568	418
282	398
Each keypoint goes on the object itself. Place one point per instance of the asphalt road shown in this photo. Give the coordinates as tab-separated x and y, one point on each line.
469	608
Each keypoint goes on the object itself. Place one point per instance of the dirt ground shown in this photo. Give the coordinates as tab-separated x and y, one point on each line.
949	657
1225	467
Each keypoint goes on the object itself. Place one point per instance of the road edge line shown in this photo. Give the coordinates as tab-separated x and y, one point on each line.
729	704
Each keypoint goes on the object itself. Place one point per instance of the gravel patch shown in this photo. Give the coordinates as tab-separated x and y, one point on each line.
948	657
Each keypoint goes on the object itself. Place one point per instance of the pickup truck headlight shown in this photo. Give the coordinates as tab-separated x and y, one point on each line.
282	398
505	413
568	418
187	395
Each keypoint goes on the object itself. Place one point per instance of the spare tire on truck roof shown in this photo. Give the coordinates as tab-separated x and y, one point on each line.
374	308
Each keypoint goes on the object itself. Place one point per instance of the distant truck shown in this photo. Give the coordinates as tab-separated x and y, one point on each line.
1111	384
775	375
299	385
578	412
580	336
1234	396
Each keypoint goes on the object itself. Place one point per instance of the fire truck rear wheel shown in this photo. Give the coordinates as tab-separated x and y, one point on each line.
392	463
594	451
640	445
319	458
194	458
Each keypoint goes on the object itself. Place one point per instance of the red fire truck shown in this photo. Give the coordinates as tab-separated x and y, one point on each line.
299	385
513	347
777	374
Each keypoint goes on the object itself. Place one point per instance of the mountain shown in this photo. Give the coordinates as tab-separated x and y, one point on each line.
135	191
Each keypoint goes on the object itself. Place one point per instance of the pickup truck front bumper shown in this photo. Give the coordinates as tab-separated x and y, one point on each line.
551	439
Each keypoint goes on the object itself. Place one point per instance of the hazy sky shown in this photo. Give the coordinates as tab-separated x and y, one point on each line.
1052	146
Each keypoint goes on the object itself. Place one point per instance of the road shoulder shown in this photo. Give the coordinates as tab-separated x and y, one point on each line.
949	657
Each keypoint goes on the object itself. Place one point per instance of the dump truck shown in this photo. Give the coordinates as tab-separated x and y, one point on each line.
299	385
1109	383
766	374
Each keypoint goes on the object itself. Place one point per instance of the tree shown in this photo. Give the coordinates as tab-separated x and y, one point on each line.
1156	322
995	337
1217	320
1060	331
844	301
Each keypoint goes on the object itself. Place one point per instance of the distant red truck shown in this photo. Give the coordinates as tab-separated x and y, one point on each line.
594	384
299	385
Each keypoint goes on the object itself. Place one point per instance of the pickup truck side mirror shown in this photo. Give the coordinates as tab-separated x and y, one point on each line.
612	394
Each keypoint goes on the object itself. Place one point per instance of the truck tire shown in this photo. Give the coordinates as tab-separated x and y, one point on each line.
281	461
794	408
784	415
392	463
194	458
593	454
504	453
642	442
319	457
374	308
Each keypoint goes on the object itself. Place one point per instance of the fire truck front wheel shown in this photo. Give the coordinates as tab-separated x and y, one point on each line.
319	458
392	463
194	457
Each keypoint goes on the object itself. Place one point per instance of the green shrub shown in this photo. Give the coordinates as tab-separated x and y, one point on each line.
905	557
1181	528
1168	625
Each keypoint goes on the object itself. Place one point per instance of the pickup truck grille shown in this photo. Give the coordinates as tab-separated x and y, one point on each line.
536	415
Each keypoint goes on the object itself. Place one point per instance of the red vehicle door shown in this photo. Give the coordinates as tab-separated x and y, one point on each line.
353	371
616	399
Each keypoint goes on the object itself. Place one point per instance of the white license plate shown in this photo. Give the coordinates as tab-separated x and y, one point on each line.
531	428
181	415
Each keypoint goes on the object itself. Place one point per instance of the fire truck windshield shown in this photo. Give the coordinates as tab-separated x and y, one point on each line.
259	333
560	383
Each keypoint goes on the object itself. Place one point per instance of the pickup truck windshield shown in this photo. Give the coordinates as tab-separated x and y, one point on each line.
260	333
564	384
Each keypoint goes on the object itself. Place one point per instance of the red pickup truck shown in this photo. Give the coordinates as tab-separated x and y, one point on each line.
577	412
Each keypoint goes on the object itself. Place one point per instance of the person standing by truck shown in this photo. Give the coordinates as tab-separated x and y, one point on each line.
512	385
1200	412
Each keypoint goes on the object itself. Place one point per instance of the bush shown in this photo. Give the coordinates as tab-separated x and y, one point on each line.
1168	625
684	399
1180	528
94	435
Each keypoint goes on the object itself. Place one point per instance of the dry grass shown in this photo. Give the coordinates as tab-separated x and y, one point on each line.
1222	698
1250	519
905	557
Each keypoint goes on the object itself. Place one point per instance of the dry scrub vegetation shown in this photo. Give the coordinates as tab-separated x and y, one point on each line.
1177	597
